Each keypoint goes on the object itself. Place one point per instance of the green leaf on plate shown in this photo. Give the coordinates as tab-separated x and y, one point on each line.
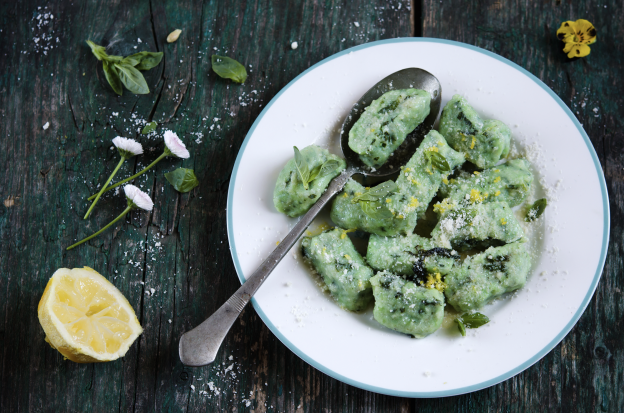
437	160
376	210
460	326
302	168
377	192
536	210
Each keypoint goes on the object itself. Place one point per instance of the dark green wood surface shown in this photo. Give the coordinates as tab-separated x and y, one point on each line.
47	174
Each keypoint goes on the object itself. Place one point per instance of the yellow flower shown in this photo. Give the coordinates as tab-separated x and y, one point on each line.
577	36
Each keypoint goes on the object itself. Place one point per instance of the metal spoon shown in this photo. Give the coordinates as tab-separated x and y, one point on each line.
199	346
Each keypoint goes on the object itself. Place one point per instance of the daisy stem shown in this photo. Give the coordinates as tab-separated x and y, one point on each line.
147	168
128	209
97	197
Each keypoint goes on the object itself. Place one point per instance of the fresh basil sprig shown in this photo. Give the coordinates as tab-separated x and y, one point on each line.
377	192
125	71
437	160
228	68
307	176
149	128
536	210
182	179
471	320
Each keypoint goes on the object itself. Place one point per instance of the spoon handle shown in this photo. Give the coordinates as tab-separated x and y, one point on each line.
199	346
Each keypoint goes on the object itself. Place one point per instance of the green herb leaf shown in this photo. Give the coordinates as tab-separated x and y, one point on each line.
302	168
112	75
149	128
323	170
377	192
132	79
147	60
437	160
328	168
229	68
98	51
460	326
376	210
474	320
536	210
182	179
131	60
314	173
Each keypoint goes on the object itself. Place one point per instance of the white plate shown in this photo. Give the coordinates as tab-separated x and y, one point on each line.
356	349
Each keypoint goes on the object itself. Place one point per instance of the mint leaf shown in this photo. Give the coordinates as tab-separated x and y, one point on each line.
377	192
229	68
536	210
182	179
302	168
149	128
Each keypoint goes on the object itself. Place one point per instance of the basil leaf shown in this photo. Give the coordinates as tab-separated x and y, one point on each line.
229	68
460	326
132	79
536	210
131	60
98	51
314	173
114	59
376	210
147	60
149	128
112	75
437	160
302	168
182	179
328	168
474	320
378	192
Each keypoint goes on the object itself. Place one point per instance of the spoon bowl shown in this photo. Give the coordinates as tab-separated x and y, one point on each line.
410	78
199	346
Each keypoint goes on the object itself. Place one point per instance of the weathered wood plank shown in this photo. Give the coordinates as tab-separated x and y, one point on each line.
585	372
180	249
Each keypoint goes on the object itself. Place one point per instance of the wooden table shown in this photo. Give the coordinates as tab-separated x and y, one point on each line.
180	250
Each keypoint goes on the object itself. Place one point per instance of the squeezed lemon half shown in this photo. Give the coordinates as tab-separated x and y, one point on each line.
85	317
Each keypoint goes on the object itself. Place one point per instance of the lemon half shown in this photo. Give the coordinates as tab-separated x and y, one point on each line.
86	318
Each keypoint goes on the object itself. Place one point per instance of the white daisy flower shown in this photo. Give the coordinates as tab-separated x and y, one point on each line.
175	145
137	197
127	147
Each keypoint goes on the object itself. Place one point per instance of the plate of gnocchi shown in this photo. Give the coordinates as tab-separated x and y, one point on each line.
460	271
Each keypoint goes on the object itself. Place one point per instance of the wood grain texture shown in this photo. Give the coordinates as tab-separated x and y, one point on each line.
180	249
586	371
